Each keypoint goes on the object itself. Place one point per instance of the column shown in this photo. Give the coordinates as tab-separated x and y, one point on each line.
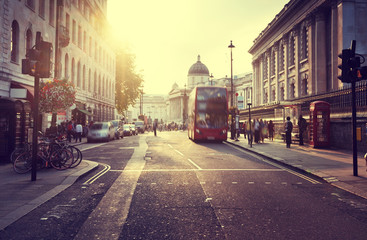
286	65
320	51
276	71
334	47
297	87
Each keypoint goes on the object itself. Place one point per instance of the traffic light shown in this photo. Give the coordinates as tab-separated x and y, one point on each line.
38	59
44	63
347	55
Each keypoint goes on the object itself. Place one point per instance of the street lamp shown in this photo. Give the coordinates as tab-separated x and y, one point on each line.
211	79
249	122
232	112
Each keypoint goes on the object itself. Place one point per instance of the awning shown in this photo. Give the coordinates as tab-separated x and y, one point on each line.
85	112
30	89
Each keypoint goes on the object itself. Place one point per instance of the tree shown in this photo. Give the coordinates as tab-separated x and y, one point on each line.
128	83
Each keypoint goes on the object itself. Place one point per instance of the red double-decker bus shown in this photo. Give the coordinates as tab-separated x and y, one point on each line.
208	114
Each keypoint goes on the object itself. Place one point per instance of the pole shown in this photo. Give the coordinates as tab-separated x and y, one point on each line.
354	127
35	129
249	122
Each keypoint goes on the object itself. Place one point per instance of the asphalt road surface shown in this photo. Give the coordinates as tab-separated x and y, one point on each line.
168	187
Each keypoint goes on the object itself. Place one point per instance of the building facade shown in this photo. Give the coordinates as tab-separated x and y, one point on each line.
81	52
153	106
297	54
295	62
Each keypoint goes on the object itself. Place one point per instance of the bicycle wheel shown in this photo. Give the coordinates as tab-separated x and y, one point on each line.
23	163
61	159
78	156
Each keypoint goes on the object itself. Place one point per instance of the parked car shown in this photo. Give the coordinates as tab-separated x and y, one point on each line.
101	131
133	129
139	125
127	130
119	130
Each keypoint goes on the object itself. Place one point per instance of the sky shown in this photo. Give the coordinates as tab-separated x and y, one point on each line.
166	36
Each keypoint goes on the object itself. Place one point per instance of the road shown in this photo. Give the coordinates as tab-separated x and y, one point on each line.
168	187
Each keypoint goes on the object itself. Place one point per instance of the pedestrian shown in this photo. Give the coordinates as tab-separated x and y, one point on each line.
244	129
271	130
155	128
78	132
302	126
288	132
69	131
257	130
249	130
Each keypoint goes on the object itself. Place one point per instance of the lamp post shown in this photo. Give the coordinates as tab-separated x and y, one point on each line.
211	79
249	122
232	111
183	109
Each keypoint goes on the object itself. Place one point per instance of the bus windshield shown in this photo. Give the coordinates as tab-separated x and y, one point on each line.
211	108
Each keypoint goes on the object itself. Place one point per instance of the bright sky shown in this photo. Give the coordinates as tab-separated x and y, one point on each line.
166	36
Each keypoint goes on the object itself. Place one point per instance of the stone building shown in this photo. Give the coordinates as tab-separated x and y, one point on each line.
153	106
82	54
296	55
295	62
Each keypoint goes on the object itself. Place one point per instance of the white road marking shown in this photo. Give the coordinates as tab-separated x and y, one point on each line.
98	175
277	165
193	163
179	152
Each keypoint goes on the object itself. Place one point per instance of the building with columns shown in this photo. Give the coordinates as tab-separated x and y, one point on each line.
296	55
295	62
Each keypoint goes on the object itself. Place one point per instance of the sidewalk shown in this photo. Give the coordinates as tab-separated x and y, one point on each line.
20	195
332	165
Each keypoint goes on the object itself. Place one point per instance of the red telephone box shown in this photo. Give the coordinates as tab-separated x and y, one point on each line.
319	124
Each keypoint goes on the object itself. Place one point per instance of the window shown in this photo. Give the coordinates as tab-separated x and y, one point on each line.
265	67
85	41
67	22
89	81
73	36
78	76
95	82
28	40
281	57
83	79
304	40
73	71
66	74
272	63
80	36
90	46
14	41
30	4
52	13
41	8
291	51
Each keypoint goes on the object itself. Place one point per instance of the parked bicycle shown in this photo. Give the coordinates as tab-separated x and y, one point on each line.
52	151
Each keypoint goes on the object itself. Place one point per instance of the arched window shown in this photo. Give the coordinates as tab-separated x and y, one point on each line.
66	74
83	79
281	93
14	41
281	56
28	40
95	82
265	67
89	81
78	75
73	71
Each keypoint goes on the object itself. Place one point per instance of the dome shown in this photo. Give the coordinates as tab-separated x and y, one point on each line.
198	68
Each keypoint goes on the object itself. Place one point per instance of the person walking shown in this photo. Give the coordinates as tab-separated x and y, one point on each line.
271	130
302	125
78	132
155	128
257	130
69	131
288	132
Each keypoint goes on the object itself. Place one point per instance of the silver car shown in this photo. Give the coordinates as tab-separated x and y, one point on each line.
101	131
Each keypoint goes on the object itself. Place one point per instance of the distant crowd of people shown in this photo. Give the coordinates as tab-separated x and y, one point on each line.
258	129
